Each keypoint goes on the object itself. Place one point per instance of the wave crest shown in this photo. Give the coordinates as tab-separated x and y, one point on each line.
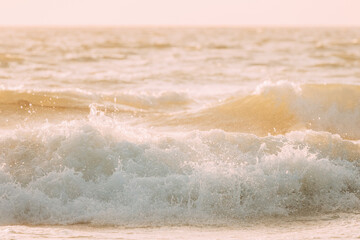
283	107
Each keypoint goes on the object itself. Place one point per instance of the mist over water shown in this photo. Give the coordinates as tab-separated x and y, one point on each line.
178	126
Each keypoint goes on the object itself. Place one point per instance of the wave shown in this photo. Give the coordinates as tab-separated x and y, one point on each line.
79	99
102	172
282	107
272	108
6	59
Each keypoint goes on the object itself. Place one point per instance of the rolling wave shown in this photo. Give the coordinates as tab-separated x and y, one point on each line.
279	108
283	150
272	108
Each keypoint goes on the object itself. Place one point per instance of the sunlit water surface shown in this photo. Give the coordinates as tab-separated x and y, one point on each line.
179	133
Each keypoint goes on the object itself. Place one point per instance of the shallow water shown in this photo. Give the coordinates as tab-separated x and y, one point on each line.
222	131
343	226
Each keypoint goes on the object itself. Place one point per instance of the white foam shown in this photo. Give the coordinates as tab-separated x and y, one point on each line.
334	108
103	172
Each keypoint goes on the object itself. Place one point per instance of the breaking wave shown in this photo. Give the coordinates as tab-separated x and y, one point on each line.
282	107
103	172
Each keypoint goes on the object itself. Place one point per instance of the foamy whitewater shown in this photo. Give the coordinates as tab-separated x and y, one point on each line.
179	133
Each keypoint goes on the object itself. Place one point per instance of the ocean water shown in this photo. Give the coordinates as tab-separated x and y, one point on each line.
179	133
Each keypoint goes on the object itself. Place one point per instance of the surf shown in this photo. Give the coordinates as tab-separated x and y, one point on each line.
104	172
282	107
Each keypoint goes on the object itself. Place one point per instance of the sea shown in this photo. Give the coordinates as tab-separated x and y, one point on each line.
179	133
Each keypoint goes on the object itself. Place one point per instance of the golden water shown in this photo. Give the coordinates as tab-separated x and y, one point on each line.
175	132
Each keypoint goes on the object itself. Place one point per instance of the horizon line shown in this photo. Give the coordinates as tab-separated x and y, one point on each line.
179	26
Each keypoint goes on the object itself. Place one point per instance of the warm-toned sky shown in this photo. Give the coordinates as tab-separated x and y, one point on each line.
180	12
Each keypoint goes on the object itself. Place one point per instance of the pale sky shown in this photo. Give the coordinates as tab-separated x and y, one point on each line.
181	12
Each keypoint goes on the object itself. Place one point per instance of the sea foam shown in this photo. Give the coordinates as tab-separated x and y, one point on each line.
101	171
